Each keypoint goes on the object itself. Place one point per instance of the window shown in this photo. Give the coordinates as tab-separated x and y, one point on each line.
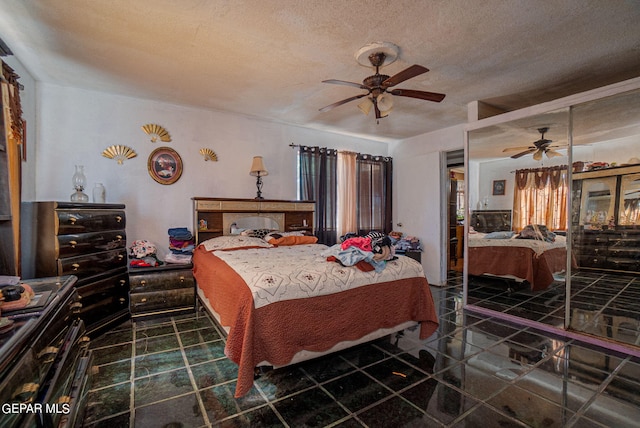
352	191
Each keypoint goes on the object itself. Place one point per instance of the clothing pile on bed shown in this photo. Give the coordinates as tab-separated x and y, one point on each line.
143	254
404	242
181	245
537	231
367	253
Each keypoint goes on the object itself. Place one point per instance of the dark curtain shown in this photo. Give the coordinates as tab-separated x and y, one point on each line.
374	183
318	183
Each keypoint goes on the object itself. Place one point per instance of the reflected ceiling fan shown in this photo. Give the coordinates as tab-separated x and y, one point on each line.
540	147
378	87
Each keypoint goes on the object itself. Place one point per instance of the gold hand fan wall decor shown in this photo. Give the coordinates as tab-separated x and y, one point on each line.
156	132
379	95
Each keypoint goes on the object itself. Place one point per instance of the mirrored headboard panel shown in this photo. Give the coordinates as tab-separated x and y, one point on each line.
214	216
237	222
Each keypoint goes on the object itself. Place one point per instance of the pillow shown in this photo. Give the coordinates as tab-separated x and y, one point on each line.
507	234
275	235
257	233
234	242
293	240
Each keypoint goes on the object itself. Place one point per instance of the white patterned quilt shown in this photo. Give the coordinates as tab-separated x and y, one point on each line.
300	271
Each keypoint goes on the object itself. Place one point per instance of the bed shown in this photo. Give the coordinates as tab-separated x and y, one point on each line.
502	254
286	303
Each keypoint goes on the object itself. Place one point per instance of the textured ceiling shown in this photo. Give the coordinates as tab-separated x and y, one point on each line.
266	59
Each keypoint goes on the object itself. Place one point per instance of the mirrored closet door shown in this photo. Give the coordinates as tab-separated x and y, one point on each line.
552	230
518	190
605	298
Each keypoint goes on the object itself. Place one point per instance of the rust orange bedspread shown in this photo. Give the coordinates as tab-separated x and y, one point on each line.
276	332
521	262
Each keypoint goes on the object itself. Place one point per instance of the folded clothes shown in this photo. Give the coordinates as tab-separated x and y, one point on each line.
180	233
178	258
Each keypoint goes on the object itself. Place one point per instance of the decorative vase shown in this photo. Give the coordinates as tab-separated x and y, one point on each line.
99	194
79	182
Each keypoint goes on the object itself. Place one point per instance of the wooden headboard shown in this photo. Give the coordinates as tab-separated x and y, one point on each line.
213	216
487	221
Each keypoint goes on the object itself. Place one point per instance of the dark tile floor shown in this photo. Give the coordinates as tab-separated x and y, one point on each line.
604	305
475	371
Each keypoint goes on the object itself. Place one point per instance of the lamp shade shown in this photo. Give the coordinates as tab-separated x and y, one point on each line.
366	105
257	167
385	103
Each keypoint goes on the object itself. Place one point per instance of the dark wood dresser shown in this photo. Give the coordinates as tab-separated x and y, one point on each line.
163	290
45	361
606	219
86	240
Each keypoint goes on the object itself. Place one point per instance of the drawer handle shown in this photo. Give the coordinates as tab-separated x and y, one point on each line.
27	388
73	219
143	300
75	307
182	279
118	218
73	244
75	266
118	237
120	257
122	300
122	282
143	283
48	351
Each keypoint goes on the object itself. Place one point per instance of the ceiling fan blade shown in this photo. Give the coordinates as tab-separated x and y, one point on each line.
515	149
344	82
526	152
339	103
429	96
537	155
552	153
405	74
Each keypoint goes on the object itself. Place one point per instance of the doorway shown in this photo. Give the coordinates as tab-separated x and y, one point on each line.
455	211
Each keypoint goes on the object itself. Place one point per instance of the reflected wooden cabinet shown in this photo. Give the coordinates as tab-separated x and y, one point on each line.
606	219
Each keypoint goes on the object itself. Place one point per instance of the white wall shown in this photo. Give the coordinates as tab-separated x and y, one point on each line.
417	193
75	126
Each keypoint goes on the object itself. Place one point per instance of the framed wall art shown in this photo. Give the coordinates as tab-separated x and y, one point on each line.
498	187
164	165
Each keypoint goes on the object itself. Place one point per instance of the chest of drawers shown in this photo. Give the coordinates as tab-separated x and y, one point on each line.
45	360
167	289
85	240
616	250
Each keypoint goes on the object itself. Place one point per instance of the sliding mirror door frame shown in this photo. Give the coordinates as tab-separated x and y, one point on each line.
565	104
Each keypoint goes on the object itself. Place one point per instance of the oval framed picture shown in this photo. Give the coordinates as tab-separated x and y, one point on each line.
164	165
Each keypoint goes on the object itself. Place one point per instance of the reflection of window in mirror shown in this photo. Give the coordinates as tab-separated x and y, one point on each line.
629	214
460	200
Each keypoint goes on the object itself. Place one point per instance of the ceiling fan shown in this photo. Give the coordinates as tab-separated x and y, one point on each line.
379	90
539	147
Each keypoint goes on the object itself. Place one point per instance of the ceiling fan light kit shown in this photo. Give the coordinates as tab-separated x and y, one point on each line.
538	148
379	94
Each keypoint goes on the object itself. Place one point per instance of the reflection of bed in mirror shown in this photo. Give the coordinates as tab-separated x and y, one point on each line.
287	303
501	254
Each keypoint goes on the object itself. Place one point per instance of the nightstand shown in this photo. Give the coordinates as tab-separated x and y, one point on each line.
161	290
414	254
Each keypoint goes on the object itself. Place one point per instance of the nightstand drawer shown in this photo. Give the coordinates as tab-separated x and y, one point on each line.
161	300
161	281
